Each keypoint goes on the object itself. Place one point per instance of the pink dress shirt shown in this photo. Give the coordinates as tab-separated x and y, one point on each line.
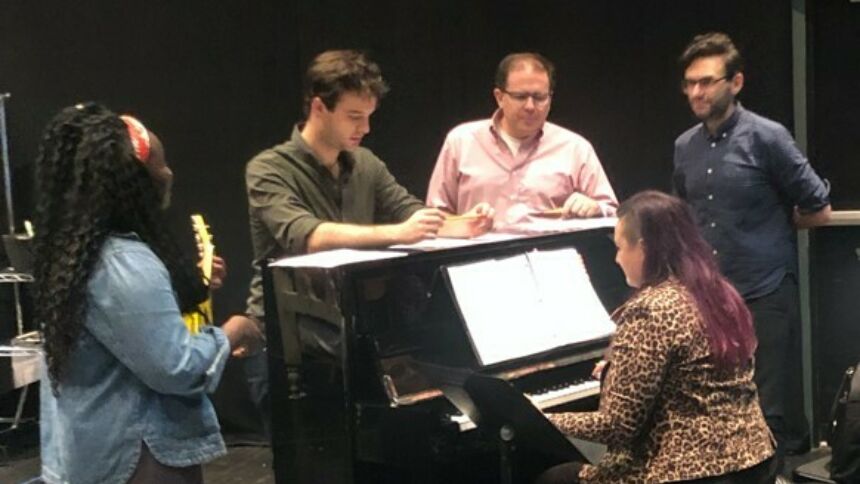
476	165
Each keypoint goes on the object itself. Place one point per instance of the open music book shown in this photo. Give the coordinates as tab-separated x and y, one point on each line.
527	304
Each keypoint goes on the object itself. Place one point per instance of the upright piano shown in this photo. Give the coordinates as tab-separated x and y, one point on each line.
368	413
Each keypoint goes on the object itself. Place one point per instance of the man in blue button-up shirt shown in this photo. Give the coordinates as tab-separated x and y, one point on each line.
750	188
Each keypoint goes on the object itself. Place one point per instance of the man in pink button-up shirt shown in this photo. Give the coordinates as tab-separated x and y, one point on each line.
516	162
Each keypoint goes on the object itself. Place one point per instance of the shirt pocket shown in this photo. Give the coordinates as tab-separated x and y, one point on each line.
746	184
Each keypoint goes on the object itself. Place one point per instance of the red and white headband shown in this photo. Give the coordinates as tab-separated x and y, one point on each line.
140	140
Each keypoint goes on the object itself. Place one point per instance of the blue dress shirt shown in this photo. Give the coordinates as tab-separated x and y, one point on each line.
743	184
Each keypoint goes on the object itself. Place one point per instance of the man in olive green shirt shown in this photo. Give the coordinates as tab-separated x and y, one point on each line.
293	199
321	190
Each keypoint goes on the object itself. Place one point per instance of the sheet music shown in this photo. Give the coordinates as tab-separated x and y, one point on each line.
335	258
441	243
541	225
527	304
563	280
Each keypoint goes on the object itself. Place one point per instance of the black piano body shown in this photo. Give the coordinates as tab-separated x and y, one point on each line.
369	414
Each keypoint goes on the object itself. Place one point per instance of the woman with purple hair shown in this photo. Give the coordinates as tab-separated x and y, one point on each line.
678	403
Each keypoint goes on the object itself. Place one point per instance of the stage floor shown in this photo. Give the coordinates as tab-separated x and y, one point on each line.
244	464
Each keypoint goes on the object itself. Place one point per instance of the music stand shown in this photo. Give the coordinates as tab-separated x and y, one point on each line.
451	380
496	405
501	404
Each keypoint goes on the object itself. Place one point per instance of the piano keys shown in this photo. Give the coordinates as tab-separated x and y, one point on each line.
545	398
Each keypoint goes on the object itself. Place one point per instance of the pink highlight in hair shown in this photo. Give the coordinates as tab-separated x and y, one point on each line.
674	247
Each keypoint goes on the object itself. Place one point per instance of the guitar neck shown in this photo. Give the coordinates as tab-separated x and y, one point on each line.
204	245
206	249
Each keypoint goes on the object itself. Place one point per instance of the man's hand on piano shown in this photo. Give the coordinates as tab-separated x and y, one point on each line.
423	224
475	222
244	334
581	206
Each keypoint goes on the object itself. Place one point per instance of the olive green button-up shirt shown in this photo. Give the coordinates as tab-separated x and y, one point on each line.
290	193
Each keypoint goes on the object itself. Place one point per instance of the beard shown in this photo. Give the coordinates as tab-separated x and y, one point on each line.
717	110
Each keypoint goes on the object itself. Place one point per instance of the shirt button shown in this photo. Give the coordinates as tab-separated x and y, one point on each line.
710	170
710	197
713	224
724	135
715	251
713	145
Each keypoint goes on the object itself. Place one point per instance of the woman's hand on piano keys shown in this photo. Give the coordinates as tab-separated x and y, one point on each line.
597	372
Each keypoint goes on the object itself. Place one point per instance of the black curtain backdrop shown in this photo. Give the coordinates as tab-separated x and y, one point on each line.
834	97
220	81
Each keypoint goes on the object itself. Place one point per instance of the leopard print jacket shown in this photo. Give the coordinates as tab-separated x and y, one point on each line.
666	413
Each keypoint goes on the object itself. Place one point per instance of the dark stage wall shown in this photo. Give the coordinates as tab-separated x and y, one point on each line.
835	251
218	81
834	100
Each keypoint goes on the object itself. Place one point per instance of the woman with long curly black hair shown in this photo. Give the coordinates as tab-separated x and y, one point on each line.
125	395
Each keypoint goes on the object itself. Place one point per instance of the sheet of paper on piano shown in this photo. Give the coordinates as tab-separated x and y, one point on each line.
542	225
441	243
335	258
527	304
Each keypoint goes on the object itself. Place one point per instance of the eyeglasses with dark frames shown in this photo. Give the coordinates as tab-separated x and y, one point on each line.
539	98
704	82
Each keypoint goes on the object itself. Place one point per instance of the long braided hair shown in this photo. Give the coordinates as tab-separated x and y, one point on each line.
89	185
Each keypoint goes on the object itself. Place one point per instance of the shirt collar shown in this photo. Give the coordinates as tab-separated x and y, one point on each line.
345	158
126	235
495	129
727	125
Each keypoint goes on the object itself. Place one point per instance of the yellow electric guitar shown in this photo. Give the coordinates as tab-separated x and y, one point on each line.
195	320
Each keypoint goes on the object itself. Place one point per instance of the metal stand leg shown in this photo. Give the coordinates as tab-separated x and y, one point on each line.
10	219
506	451
19	410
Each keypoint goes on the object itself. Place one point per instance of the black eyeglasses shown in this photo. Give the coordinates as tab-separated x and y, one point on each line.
704	83
539	98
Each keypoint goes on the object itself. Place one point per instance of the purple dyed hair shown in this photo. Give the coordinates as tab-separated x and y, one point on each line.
674	247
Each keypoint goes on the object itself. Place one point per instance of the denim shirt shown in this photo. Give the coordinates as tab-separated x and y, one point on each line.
136	375
743	184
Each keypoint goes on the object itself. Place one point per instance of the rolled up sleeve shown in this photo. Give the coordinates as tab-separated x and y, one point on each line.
796	178
273	198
